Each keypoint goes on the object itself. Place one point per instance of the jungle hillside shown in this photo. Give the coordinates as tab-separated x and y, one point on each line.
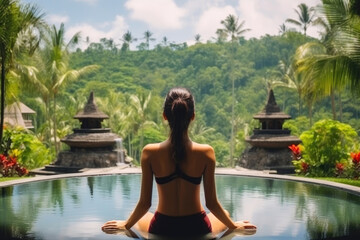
229	76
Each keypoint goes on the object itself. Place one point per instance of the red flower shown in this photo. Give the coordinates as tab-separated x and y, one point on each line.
2	158
339	168
304	167
9	166
295	149
21	171
355	158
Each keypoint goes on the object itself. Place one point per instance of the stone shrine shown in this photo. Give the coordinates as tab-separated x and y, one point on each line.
91	146
269	144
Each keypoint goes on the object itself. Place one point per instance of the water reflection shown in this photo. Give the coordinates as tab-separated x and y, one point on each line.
291	209
76	208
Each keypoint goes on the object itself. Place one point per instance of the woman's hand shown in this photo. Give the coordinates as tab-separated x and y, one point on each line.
243	228
114	225
245	225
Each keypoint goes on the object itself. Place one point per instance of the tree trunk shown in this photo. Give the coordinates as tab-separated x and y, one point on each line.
332	95
310	115
55	127
3	58
142	138
299	102
232	123
340	108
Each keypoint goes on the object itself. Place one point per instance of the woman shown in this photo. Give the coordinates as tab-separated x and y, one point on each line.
179	165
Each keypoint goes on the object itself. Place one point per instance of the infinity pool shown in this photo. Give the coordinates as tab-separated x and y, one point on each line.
76	208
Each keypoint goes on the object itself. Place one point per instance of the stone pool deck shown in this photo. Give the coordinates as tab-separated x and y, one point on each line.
125	169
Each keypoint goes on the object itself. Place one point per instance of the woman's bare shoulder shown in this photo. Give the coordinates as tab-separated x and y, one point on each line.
203	148
149	151
151	147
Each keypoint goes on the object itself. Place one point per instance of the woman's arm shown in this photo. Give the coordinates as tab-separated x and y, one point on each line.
144	202
212	202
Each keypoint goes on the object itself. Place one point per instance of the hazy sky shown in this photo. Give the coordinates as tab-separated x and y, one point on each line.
178	20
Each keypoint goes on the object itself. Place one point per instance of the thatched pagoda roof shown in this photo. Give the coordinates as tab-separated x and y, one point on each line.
91	110
271	110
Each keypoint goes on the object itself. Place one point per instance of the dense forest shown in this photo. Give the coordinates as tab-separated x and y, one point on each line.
206	69
230	79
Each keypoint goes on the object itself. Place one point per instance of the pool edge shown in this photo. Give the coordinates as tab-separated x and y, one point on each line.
218	171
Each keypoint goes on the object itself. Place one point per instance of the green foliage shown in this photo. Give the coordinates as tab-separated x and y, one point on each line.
298	125
26	147
152	135
127	77
222	152
327	143
352	182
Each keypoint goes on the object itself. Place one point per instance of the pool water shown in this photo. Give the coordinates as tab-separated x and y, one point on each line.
76	208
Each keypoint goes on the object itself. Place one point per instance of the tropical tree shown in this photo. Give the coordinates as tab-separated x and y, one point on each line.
140	105
293	79
335	61
165	41
306	16
282	29
233	28
53	71
127	39
200	132
14	20
148	38
197	38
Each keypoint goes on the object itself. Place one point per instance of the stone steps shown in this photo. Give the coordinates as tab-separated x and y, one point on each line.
55	169
289	169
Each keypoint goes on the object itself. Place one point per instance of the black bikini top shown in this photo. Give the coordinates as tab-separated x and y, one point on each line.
178	174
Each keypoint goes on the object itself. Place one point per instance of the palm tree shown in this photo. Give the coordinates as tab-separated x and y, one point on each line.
127	39
200	132
233	28
14	19
335	61
54	73
305	17
140	105
221	36
293	79
197	38
165	41
148	38
282	29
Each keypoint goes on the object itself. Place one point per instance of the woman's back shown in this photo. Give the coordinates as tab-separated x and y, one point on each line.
178	185
179	165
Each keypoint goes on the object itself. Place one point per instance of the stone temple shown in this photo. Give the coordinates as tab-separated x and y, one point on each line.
91	145
268	148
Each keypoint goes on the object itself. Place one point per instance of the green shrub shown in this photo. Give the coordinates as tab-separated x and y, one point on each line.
29	151
326	148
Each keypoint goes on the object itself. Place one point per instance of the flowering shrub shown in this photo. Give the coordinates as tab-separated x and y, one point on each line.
23	145
9	167
339	168
304	167
325	149
296	152
355	158
354	170
301	167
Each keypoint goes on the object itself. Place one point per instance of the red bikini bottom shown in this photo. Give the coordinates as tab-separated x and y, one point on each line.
197	224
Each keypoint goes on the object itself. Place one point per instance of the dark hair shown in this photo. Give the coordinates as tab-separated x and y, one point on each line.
179	108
